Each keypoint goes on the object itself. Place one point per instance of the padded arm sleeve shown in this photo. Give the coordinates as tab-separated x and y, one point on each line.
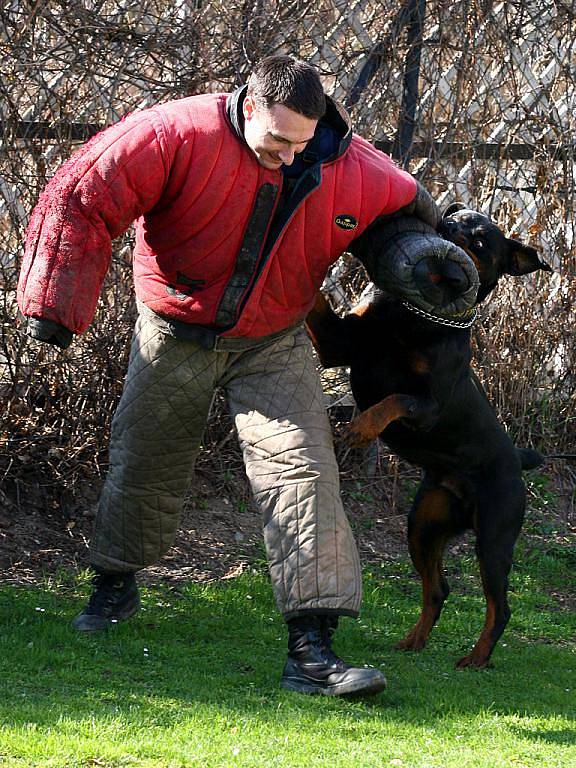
423	207
93	198
408	259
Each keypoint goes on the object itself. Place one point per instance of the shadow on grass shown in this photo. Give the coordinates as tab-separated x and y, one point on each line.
562	737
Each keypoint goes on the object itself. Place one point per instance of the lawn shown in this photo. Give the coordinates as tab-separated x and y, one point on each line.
193	679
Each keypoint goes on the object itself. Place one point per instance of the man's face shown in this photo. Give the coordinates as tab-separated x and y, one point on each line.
275	135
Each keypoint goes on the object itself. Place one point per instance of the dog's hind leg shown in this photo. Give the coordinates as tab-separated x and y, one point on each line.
436	515
499	520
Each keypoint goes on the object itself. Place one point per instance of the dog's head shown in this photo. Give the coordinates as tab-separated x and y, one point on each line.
492	252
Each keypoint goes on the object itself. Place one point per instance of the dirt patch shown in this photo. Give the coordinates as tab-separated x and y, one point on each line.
220	533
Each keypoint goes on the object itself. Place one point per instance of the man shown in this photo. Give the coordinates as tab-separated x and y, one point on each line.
242	203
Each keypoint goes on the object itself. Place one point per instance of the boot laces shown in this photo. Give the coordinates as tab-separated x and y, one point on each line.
107	590
335	661
331	657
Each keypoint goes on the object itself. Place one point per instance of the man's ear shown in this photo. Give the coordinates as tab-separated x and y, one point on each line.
453	208
523	259
248	107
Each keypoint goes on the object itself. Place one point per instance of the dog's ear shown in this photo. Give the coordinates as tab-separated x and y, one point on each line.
453	208
523	259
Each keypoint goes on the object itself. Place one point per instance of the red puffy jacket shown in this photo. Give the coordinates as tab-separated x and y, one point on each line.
205	253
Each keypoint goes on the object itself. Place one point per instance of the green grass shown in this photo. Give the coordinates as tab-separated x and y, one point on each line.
193	680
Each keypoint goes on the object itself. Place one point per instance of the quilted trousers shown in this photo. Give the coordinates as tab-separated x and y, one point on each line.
274	395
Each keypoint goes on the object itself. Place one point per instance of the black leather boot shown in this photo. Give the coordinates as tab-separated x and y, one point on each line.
313	667
115	597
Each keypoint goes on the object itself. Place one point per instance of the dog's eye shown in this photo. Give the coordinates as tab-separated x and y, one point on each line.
478	244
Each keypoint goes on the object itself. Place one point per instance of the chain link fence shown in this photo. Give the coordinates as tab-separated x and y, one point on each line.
476	98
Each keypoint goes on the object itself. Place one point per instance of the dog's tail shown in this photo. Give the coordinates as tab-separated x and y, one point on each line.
530	458
565	456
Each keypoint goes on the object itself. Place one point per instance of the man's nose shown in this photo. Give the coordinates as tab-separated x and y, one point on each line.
286	155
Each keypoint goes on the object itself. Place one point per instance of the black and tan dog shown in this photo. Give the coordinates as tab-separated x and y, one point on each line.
411	378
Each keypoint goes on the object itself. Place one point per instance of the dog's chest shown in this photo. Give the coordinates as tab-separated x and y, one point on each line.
388	370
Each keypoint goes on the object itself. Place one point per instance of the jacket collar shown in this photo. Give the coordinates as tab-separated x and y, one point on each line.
336	117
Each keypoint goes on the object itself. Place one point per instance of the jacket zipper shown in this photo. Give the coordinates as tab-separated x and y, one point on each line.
262	259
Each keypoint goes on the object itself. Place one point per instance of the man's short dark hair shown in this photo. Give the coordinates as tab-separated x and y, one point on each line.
290	82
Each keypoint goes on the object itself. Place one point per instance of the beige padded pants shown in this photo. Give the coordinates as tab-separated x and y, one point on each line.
274	395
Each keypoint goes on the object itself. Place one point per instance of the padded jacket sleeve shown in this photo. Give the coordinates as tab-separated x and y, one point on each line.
94	197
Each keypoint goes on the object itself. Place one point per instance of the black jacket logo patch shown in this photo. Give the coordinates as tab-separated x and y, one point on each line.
346	221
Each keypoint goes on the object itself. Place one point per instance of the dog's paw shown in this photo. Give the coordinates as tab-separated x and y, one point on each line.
411	643
360	432
474	661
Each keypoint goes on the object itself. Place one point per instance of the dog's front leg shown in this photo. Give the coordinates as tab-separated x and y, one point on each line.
415	412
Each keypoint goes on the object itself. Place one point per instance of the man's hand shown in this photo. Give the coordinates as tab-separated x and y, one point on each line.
49	331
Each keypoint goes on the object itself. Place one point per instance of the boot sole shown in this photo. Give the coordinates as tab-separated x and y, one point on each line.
358	687
89	623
